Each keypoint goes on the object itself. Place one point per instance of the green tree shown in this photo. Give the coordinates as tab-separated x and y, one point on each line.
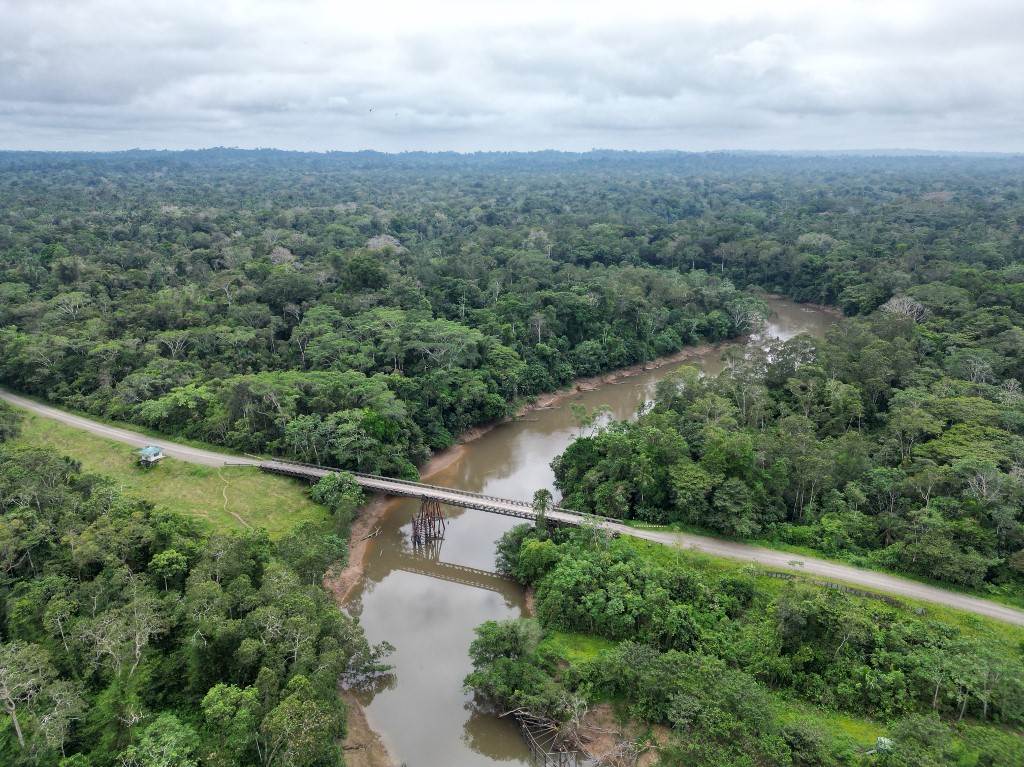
165	742
921	740
168	565
310	550
26	674
10	422
231	716
340	493
542	502
300	730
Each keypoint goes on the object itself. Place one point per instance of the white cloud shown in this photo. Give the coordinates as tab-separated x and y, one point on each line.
392	75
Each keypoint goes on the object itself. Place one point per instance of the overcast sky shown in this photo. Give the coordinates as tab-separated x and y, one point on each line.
438	74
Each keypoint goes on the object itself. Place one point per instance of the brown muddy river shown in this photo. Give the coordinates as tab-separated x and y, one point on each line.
427	608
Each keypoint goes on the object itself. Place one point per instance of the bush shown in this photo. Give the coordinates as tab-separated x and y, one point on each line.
10	422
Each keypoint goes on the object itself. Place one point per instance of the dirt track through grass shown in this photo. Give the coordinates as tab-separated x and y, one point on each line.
227	497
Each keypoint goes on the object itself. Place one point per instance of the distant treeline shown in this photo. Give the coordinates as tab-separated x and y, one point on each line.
356	311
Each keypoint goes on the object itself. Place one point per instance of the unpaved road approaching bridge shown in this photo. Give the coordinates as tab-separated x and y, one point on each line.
780	560
134	438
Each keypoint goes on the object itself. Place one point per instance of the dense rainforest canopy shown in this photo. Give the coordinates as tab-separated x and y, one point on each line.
356	311
131	636
898	441
362	310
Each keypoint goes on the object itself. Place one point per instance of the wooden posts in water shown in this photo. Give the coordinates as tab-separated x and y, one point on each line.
428	524
545	739
428	550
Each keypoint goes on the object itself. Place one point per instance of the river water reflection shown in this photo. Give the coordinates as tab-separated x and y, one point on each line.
428	609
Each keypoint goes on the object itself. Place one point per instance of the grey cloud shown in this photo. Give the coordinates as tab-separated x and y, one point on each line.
100	74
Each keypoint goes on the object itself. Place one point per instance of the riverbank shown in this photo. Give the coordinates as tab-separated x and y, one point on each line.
608	740
363	745
342	582
590	383
832	311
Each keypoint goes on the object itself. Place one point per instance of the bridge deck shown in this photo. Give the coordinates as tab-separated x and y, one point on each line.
506	506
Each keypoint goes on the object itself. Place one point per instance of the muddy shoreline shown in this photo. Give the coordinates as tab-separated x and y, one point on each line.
832	311
591	383
342	582
363	746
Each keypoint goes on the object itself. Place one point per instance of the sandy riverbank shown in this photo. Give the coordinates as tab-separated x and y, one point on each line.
342	582
363	746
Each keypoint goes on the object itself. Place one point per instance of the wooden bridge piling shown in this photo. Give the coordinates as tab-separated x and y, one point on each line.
428	523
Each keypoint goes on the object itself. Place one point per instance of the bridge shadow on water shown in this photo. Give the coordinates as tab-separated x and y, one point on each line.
427	600
425	559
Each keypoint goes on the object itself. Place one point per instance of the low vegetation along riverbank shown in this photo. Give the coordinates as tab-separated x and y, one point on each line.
637	647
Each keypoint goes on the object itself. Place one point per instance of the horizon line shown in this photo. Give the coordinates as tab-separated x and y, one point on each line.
874	151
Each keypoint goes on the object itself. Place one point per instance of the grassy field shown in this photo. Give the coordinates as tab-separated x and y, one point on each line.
860	731
230	498
575	648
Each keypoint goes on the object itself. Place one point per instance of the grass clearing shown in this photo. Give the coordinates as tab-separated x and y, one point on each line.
229	498
575	648
862	732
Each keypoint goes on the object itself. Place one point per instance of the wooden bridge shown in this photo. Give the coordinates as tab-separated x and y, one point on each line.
771	559
436	494
446	571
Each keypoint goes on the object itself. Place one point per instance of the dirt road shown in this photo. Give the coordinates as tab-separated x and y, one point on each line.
819	568
824	569
172	449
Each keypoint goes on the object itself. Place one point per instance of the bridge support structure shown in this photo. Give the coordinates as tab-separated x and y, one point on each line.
428	524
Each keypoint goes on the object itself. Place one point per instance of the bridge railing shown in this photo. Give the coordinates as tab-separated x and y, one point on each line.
525	505
410	483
